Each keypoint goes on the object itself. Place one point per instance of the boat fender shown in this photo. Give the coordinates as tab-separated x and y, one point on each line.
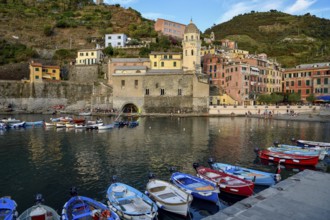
277	177
159	205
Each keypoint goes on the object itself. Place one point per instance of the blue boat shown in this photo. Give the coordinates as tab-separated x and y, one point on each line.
289	149
8	209
34	123
81	207
197	187
39	211
130	203
258	177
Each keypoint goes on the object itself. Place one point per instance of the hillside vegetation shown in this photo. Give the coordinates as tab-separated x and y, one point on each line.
46	27
292	40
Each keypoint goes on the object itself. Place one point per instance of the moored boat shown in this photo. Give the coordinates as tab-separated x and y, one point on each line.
289	149
105	127
39	211
227	183
17	125
129	203
169	197
10	120
8	208
288	158
258	177
34	123
81	207
197	187
305	143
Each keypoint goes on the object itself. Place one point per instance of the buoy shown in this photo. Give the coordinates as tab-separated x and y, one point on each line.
150	127
184	129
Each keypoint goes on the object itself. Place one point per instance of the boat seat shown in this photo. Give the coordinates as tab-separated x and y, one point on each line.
166	195
157	189
81	215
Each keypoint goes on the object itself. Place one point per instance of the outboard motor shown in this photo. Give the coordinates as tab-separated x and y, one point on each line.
73	191
256	150
276	143
195	165
151	175
293	140
114	179
39	199
277	176
172	169
210	161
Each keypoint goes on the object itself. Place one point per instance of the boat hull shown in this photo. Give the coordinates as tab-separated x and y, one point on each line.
227	183
169	197
80	207
129	203
9	205
258	177
197	187
289	158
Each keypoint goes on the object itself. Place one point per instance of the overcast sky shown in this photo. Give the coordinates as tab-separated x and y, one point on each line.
205	13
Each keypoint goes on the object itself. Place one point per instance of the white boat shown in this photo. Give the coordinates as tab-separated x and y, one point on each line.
17	125
51	124
10	120
169	197
79	126
69	125
93	126
105	127
85	113
39	212
60	125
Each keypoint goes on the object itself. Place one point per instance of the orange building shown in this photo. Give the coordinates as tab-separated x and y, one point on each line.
170	28
307	79
38	72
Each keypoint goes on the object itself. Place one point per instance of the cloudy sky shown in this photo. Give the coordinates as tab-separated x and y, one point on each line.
206	13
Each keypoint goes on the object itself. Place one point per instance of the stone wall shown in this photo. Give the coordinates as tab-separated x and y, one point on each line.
87	73
42	96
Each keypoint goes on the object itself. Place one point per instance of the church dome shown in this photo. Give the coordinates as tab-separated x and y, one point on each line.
191	28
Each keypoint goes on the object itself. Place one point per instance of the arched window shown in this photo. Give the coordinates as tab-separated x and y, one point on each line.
192	52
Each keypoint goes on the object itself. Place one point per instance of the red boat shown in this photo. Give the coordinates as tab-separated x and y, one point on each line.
289	158
227	183
78	120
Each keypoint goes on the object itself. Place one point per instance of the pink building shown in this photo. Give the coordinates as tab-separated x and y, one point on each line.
243	78
307	79
170	28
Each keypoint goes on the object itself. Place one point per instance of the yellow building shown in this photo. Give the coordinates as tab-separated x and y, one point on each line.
207	50
165	60
38	72
89	57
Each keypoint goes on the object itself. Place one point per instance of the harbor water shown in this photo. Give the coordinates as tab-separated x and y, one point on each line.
50	161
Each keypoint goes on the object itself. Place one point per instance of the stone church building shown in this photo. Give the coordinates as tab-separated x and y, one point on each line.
167	82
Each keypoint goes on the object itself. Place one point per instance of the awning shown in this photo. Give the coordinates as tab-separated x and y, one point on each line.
254	69
324	98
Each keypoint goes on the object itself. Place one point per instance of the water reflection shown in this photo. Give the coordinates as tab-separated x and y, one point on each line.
50	160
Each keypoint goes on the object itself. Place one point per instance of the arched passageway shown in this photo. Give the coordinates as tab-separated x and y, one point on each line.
130	108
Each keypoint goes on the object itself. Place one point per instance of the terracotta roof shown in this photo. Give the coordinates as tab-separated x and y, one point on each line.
36	64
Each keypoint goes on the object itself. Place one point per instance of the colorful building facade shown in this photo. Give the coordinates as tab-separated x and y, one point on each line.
170	28
39	72
89	57
307	79
165	60
115	40
243	78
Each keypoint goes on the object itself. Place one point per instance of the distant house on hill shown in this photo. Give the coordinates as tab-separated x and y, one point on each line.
39	72
115	40
89	56
170	28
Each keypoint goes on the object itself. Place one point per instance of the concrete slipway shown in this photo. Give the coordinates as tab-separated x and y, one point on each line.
305	195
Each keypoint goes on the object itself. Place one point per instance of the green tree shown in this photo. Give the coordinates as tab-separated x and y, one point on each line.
311	98
294	97
276	98
108	50
48	30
